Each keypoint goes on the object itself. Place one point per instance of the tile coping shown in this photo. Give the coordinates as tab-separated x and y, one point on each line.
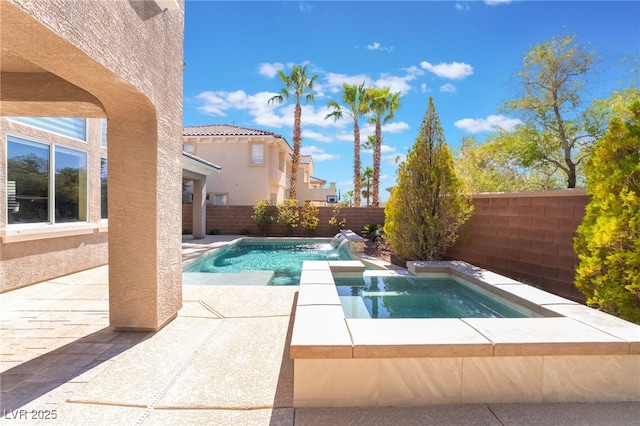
563	327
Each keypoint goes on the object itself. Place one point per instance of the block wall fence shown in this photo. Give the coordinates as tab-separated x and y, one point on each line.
526	236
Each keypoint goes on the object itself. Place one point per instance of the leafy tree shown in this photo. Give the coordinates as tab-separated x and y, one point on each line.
608	241
492	166
556	129
355	98
298	85
367	174
310	219
264	214
427	206
382	103
288	213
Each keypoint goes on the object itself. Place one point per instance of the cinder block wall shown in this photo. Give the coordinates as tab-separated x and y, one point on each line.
234	219
527	236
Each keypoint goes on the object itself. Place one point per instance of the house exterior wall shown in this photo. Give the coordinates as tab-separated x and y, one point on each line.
243	182
92	59
28	246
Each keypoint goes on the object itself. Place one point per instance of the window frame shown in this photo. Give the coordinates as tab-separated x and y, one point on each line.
251	162
51	188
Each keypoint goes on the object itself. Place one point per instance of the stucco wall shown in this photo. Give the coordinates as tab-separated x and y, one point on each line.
22	262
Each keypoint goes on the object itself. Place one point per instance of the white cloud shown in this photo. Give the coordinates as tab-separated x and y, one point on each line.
424	88
453	70
335	80
462	6
218	102
305	7
316	136
496	2
448	88
270	70
318	154
396	83
377	46
492	122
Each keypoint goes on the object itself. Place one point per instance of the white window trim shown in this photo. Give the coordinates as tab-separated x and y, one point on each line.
41	231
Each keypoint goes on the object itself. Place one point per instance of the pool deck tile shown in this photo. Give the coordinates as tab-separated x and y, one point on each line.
546	336
350	266
320	332
621	329
318	294
322	276
415	338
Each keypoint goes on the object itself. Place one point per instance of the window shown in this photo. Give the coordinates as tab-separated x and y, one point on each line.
188	147
28	181
103	135
220	199
281	161
257	154
32	195
75	128
103	188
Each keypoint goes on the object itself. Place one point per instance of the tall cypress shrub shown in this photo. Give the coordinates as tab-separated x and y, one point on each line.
608	240
428	204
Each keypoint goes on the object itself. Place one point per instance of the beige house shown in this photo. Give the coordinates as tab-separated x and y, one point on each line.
96	68
256	164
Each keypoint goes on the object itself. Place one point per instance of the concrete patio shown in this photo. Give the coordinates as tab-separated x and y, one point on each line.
224	360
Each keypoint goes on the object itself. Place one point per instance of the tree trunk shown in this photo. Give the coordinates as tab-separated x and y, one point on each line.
297	142
376	165
357	184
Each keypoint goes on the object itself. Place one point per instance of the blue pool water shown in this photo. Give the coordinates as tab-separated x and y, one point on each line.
284	257
419	297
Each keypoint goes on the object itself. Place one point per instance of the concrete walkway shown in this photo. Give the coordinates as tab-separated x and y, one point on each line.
223	361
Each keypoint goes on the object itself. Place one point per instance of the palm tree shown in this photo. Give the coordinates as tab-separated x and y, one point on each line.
367	173
296	84
382	104
355	98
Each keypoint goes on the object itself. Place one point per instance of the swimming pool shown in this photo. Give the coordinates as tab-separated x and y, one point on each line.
375	296
275	261
566	353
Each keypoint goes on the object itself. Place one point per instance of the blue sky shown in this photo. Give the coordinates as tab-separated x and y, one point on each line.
464	54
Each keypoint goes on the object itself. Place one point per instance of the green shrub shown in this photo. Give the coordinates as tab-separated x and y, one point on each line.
214	231
335	220
264	214
310	219
373	231
245	232
288	213
608	240
428	205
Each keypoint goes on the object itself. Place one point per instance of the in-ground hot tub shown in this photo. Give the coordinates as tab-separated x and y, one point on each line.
565	352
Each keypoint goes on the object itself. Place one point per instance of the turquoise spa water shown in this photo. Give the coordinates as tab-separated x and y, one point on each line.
284	257
419	297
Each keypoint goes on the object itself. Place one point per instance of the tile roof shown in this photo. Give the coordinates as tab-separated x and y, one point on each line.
225	130
305	159
201	160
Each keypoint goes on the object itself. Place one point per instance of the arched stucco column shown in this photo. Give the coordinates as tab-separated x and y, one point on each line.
127	57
